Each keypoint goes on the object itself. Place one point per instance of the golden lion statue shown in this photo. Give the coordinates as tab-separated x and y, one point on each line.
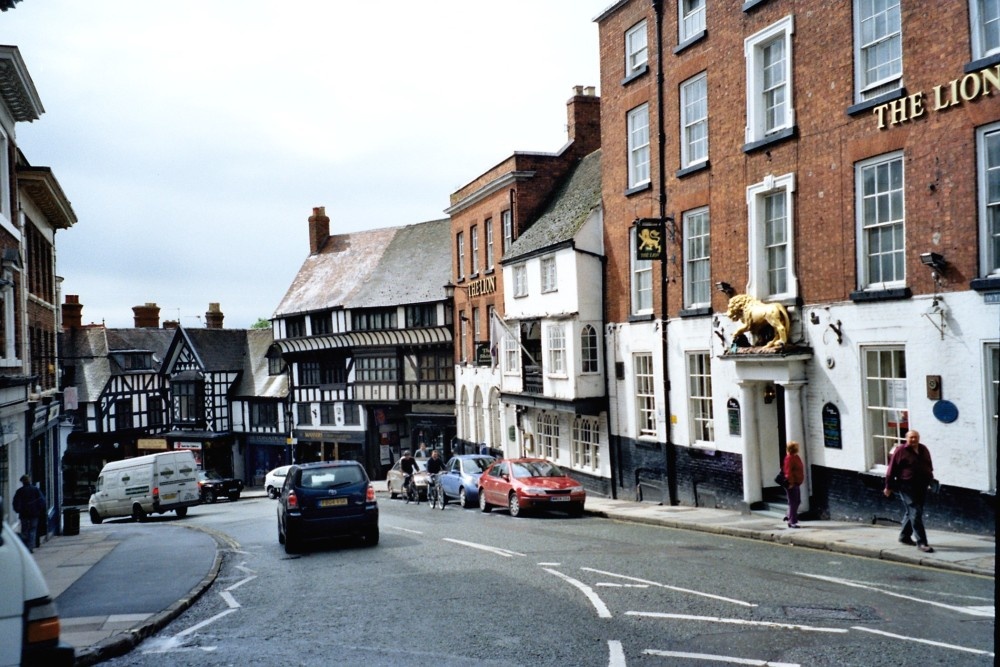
754	315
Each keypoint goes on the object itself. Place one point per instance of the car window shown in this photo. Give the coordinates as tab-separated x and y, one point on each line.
499	470
536	469
330	478
479	464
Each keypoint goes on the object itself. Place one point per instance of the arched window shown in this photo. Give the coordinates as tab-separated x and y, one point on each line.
463	415
588	350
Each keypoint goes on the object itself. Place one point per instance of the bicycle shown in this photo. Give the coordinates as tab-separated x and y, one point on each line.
410	490
435	495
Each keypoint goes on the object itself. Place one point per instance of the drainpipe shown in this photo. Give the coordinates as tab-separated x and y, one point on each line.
670	454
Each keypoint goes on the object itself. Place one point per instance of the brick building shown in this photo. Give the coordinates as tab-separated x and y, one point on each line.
842	161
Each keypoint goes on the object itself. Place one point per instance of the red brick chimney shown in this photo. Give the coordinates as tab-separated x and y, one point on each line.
583	112
213	317
72	312
146	316
319	229
171	324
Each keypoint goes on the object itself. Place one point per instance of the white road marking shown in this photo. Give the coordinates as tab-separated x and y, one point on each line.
207	621
616	654
610	585
719	658
506	553
240	583
924	641
673	588
550	564
971	611
230	600
736	621
602	609
246	569
406	530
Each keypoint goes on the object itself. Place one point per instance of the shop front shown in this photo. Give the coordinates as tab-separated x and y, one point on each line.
264	453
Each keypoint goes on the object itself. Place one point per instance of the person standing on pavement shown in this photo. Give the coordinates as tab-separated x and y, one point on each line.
795	473
29	503
909	473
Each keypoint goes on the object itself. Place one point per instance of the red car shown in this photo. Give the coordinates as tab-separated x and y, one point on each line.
527	484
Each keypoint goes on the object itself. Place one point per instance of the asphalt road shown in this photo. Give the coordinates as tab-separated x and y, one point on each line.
458	587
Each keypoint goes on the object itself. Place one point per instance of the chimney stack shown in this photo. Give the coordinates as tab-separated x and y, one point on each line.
72	312
584	120
213	318
319	229
147	316
171	324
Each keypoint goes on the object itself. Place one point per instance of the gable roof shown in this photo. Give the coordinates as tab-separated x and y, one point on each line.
568	210
375	268
217	350
257	380
89	350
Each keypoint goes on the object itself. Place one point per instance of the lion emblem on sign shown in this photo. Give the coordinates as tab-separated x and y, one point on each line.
756	317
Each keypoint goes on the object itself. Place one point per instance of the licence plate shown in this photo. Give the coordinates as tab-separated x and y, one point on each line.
168	496
332	502
560	499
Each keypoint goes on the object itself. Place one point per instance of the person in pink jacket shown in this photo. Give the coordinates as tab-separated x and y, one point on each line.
795	473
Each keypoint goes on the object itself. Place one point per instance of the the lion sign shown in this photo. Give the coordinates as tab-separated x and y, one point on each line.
754	316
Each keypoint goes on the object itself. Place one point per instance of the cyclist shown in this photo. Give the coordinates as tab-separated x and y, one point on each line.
434	467
409	466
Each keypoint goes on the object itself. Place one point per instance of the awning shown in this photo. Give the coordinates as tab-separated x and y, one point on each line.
385	338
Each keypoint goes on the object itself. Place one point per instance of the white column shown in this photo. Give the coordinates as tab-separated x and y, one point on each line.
752	491
795	430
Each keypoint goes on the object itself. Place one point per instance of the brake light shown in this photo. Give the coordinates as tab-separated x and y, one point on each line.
370	494
292	500
156	492
43	623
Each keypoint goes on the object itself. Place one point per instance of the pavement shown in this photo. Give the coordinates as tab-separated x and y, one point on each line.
66	559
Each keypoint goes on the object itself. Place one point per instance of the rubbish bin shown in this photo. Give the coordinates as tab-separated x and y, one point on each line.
71	521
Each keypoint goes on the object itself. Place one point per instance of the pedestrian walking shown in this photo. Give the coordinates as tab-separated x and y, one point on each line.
29	503
795	473
909	473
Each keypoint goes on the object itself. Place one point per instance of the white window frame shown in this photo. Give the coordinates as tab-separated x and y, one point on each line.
638	146
477	331
699	381
489	245
690	19
555	343
520	273
463	327
548	436
5	212
989	235
590	358
507	223
636	48
644	388
886	410
511	355
460	251
474	250
867	43
697	258
991	367
866	228
760	248
985	28
586	437
694	120
760	95
550	281
641	273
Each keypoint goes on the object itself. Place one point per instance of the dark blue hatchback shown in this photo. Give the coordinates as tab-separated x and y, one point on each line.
325	500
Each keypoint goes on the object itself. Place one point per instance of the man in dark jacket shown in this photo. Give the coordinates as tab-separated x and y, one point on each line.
29	503
910	472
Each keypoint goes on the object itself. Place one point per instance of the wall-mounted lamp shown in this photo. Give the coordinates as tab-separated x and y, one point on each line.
11	259
725	288
463	317
769	393
813	317
934	260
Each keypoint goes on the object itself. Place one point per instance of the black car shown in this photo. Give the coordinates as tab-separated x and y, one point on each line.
212	486
325	500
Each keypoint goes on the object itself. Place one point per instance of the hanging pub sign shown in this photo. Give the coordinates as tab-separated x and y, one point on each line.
831	427
484	357
733	410
649	239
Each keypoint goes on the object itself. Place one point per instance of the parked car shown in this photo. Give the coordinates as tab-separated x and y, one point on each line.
460	479
212	486
394	479
29	620
274	480
527	484
325	500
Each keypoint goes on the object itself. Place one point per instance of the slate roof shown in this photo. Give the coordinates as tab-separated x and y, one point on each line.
376	268
570	207
218	350
256	381
89	350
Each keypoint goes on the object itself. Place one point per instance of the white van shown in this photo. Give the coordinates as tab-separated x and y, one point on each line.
145	485
29	623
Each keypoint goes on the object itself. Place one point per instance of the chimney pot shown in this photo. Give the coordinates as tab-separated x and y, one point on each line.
319	229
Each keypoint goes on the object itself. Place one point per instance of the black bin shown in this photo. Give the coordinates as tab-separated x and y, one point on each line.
71	521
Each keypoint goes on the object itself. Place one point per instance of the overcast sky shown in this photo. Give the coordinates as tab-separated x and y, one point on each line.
193	137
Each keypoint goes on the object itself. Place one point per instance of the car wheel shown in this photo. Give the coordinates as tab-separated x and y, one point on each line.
138	514
576	510
371	536
95	516
483	505
181	512
233	497
514	504
281	535
209	497
291	542
272	493
392	494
